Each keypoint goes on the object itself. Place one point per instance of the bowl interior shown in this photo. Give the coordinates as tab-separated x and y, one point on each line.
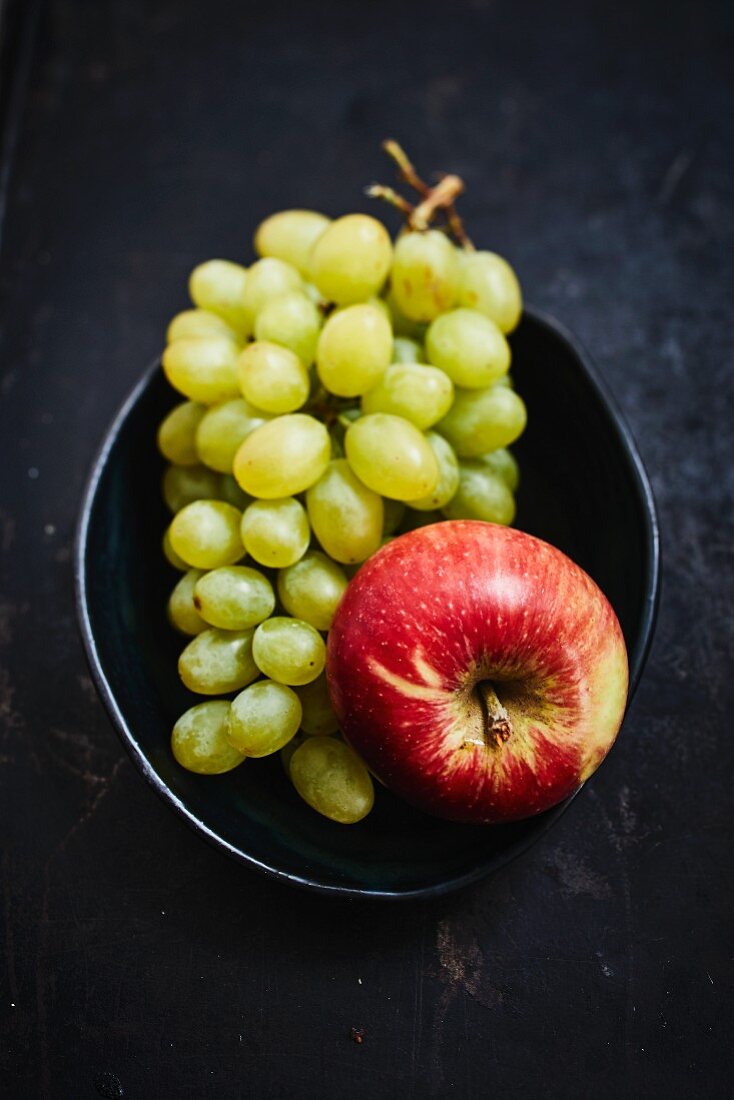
583	489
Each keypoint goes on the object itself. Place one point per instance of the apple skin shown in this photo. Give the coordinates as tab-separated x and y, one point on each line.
479	673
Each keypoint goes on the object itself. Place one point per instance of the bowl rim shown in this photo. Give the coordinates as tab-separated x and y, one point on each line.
637	657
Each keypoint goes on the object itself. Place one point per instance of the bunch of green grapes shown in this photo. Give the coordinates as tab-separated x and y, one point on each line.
338	392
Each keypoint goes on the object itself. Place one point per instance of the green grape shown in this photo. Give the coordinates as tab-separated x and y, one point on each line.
219	287
199	739
290	235
183	485
177	433
268	279
276	532
318	718
294	322
403	326
354	350
391	456
206	534
218	661
448	475
203	370
314	295
222	430
350	260
195	324
422	395
337	441
482	494
289	651
170	554
425	275
505	380
483	420
350	414
377	303
331	778
488	283
405	350
264	717
233	597
272	377
286	753
230	491
182	613
346	516
312	589
395	509
468	347
504	463
283	457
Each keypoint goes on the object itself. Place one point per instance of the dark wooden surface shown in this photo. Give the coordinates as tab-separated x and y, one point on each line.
596	143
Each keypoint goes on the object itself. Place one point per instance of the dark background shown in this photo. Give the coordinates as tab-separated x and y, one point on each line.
596	143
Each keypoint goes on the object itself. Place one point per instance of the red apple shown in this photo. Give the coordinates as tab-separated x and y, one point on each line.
478	672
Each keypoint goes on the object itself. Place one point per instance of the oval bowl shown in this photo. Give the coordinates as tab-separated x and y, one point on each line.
583	488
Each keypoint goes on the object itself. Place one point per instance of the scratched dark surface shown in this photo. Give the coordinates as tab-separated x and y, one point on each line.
596	143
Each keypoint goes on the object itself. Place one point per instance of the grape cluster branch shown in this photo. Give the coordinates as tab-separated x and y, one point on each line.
441	197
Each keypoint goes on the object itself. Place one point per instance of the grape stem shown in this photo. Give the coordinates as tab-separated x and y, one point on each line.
377	191
441	197
408	173
456	225
328	407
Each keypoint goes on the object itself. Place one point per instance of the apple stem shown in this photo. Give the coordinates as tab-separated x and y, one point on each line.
497	725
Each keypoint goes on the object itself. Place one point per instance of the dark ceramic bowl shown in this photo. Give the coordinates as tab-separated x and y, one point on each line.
584	489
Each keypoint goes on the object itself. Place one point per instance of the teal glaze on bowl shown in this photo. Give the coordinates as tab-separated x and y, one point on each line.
583	488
